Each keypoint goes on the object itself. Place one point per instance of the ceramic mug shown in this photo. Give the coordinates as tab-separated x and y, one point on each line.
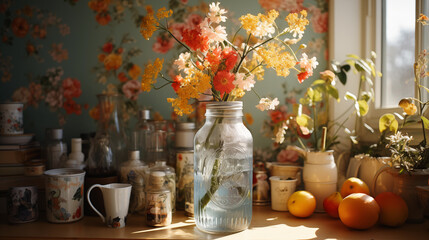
281	189
11	118
64	194
286	170
22	204
116	202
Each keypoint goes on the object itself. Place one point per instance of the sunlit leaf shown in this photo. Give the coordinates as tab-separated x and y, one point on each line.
362	107
333	92
425	122
350	96
304	120
353	56
369	128
318	82
388	121
317	95
366	96
362	66
399	116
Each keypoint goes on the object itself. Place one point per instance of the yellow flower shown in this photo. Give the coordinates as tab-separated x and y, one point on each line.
134	71
261	25
149	24
256	70
408	106
249	22
238	92
163	13
297	23
150	74
275	57
112	61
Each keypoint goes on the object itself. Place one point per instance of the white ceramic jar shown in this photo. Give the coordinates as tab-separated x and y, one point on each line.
320	176
11	118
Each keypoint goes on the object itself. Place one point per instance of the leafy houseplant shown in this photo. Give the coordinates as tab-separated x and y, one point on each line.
321	91
224	69
404	156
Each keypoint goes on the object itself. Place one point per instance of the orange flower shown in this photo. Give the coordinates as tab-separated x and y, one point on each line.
27	10
134	71
99	5
248	118
101	57
39	32
103	18
408	106
223	82
72	107
30	49
108	47
20	27
94	113
112	62
122	77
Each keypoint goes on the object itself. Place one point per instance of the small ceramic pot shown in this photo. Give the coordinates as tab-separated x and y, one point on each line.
11	118
64	194
22	204
281	189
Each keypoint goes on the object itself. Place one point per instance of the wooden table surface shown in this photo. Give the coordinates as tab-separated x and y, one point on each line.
266	224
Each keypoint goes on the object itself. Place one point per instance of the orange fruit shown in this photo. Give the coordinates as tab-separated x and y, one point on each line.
331	204
353	185
394	210
359	211
301	204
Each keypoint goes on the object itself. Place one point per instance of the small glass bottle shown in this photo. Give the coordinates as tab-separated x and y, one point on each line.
169	179
76	157
133	171
56	148
184	149
142	134
158	202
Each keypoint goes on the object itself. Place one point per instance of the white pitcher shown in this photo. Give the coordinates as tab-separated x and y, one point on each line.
320	176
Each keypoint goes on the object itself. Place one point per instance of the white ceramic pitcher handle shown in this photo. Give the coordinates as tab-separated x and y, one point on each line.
90	203
374	180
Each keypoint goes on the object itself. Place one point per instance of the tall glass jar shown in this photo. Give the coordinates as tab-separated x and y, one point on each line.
108	147
223	170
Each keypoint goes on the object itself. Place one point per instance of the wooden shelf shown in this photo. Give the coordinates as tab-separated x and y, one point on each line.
266	224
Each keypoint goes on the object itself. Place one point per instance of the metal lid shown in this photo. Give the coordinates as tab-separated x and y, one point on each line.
144	114
185	126
55	133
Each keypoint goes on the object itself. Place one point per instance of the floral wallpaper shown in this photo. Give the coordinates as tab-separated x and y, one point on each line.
56	56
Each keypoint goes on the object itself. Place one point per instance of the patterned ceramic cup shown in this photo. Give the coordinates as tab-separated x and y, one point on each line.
64	195
22	204
11	118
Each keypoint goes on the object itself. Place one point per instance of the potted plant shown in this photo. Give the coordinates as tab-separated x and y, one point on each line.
410	163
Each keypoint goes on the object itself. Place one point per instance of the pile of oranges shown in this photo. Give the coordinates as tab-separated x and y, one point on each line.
354	206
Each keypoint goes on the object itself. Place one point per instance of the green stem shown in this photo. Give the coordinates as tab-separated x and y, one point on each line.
315	127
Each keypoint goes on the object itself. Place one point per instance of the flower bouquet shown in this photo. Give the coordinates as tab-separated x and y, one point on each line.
225	68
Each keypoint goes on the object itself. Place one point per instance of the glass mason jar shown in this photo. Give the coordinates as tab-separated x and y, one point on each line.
223	170
108	147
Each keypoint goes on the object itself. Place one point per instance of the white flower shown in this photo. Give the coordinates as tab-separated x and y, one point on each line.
214	35
216	13
267	104
182	61
308	64
280	135
263	29
244	83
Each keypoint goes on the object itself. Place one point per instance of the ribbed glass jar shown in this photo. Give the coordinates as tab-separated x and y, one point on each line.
223	170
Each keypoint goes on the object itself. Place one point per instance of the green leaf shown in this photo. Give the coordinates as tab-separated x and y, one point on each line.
350	96
354	56
388	121
343	77
345	68
304	120
366	96
425	122
318	82
333	92
362	66
317	95
362	107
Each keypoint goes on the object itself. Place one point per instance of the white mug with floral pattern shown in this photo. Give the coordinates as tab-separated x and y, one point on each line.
116	198
11	118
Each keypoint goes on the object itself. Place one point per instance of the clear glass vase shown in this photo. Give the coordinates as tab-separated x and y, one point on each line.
108	147
223	170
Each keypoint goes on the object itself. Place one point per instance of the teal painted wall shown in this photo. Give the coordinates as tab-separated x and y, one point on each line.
73	24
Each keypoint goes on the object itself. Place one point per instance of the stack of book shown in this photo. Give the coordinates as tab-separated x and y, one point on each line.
13	158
